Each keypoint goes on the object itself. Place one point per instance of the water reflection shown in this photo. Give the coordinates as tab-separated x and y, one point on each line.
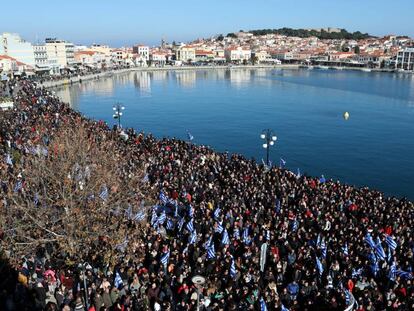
142	82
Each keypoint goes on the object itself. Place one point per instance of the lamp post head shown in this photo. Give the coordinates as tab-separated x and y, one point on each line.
198	280
274	137
262	136
265	146
271	143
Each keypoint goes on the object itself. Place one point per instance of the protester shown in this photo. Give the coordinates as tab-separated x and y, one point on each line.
326	244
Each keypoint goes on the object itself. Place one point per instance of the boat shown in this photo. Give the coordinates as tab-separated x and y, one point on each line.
366	69
322	67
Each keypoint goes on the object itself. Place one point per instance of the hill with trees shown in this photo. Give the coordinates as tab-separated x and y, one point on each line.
305	33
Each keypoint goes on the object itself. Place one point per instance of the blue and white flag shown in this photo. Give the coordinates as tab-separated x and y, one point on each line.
322	179
236	233
319	266
379	251
104	193
347	297
283	308
392	273
374	268
190	226
9	159
267	235
262	304
345	250
211	253
165	257
368	239
163	198
217	213
357	273
118	280
180	224
190	137
170	224
246	238
391	242
190	211
162	218
282	163
154	218
139	216
277	206
219	228
225	240
294	225
298	175
404	274
193	238
18	186
233	270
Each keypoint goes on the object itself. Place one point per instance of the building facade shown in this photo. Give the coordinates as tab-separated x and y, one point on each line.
62	51
12	45
141	50
185	54
405	59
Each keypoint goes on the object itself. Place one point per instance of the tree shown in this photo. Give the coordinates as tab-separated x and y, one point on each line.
231	35
254	60
357	50
73	200
220	38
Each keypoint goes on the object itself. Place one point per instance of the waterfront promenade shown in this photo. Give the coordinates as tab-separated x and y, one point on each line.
193	212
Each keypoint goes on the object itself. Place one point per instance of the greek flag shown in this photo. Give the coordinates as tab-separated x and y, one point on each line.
374	268
345	249
104	193
170	224
236	234
268	235
357	273
393	272
193	237
404	274
262	305
368	239
391	242
379	251
295	225
347	297
233	270
225	240
211	253
219	228
190	226
246	238
180	224
217	213
118	280
18	186
165	258
322	179
277	206
154	218
140	216
9	160
190	137
298	173
282	163
322	246
162	218
283	308
191	211
319	266
121	247
163	198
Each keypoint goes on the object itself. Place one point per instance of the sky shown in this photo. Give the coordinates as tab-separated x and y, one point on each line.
127	22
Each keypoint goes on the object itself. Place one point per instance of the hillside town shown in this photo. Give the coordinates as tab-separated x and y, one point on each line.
56	56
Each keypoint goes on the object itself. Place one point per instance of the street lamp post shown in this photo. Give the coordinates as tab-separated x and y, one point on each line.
118	113
198	280
269	137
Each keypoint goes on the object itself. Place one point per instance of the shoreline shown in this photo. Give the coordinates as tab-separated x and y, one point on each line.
79	79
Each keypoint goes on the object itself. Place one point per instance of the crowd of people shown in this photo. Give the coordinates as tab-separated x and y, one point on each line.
262	238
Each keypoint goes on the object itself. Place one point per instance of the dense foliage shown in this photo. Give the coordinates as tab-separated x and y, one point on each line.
304	33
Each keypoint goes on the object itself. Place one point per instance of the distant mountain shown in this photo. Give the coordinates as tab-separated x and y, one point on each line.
323	33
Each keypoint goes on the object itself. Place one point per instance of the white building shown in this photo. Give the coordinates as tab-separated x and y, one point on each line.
141	50
60	50
405	59
185	54
237	54
12	45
